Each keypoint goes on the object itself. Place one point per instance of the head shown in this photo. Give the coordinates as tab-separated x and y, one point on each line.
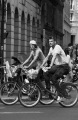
66	51
33	44
70	46
52	42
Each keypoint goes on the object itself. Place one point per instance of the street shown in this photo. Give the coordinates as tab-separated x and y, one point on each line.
39	112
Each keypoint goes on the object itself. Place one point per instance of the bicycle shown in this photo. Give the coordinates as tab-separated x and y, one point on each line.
10	89
34	90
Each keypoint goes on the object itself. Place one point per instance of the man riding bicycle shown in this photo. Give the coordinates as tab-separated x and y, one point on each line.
58	66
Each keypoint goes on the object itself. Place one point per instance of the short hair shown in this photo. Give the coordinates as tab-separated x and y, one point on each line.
69	45
51	37
66	51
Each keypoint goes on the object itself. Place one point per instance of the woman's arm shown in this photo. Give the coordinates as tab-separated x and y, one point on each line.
26	61
34	60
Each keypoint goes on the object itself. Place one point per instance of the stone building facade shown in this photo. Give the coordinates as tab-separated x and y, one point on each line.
32	19
52	22
23	24
74	21
66	24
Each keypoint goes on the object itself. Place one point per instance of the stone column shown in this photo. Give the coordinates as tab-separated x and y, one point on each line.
12	31
25	33
19	36
31	26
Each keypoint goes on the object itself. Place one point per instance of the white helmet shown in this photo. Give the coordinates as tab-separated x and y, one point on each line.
33	42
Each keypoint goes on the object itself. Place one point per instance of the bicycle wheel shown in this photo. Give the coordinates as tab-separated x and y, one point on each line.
9	93
46	98
29	95
72	96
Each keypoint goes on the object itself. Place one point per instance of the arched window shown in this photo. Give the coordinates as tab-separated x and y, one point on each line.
22	32
38	31
16	31
37	23
28	33
33	29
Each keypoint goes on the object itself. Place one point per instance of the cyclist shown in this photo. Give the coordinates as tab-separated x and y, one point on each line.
58	66
36	57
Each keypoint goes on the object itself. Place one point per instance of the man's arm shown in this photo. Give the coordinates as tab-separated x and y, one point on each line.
45	60
26	61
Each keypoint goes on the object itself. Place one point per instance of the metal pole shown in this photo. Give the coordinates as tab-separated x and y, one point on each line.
2	32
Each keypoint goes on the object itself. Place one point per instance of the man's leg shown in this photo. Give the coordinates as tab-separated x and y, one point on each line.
40	78
61	70
48	76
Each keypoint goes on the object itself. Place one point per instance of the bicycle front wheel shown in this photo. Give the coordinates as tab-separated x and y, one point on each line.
72	96
9	93
29	95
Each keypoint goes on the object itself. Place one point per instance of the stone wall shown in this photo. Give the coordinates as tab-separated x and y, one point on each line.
23	24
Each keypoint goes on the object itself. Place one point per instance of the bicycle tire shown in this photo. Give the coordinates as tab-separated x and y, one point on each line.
9	96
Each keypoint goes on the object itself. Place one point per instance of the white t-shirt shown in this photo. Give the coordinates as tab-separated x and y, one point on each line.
60	55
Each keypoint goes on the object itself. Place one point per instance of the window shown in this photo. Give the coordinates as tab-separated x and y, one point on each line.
71	16
71	4
37	23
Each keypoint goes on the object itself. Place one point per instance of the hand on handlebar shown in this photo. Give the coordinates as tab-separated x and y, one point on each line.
25	67
21	66
48	68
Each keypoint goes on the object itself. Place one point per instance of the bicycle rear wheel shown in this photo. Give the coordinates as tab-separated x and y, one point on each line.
29	95
72	97
9	93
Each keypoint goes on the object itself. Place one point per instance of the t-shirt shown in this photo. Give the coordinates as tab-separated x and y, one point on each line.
60	55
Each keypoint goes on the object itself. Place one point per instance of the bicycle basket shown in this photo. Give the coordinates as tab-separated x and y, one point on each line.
32	74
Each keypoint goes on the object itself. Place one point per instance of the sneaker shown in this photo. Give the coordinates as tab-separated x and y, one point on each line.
59	99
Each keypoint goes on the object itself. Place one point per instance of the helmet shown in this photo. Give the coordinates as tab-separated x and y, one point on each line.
33	42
